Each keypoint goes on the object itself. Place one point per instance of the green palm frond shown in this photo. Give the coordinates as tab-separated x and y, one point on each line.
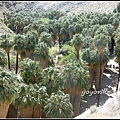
58	106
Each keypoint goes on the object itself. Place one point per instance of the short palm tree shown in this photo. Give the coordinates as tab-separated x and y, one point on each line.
3	58
46	38
115	23
52	79
42	96
31	39
30	72
77	42
41	54
26	100
58	106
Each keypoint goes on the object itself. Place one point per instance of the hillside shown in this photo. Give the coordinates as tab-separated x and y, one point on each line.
69	6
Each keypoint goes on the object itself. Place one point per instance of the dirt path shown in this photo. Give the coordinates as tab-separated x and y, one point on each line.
109	99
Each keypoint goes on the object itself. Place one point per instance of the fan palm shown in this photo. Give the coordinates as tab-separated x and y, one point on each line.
58	106
6	43
46	38
41	54
30	71
3	59
76	77
77	42
101	42
9	84
19	44
52	79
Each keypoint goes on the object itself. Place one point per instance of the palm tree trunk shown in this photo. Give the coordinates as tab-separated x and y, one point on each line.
91	75
75	101
4	109
12	111
118	79
76	107
98	96
43	63
36	111
26	112
16	63
71	35
77	55
8	55
97	75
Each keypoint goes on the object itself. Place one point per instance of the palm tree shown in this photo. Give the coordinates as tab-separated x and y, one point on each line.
46	38
42	28
41	54
29	71
77	42
77	28
56	31
117	55
58	106
9	84
42	96
91	57
6	44
31	39
76	75
52	79
26	100
71	31
104	20
19	44
115	23
101	41
3	59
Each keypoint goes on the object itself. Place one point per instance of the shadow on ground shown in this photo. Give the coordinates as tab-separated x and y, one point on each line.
106	89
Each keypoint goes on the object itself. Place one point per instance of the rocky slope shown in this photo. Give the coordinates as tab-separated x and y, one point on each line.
69	6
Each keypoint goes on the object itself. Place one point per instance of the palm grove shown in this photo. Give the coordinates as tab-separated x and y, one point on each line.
49	58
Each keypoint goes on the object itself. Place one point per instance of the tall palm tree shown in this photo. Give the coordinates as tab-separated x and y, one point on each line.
19	44
76	75
6	44
42	28
101	41
117	55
